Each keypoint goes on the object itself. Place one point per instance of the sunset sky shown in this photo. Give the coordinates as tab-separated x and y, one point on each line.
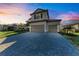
19	13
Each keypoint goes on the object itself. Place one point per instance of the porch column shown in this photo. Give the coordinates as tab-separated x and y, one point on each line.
45	27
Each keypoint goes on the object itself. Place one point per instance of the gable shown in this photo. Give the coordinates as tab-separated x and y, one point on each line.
38	10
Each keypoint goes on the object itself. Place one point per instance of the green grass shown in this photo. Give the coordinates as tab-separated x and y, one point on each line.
73	38
76	40
76	33
4	34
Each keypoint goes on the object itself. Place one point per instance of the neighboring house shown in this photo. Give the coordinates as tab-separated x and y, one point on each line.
13	27
41	22
17	27
76	26
71	27
4	27
1	27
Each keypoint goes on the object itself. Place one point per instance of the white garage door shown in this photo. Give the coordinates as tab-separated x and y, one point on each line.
37	28
52	28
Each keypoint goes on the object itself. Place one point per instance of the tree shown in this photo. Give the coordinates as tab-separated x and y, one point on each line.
20	27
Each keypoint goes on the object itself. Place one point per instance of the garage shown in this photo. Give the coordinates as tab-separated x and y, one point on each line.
52	28
43	26
37	28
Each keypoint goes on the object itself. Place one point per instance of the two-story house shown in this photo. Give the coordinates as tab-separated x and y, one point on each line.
41	22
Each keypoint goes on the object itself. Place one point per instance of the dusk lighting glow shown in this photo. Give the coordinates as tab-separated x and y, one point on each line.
19	13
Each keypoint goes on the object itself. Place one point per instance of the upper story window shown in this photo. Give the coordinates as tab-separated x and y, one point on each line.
34	16
41	15
37	16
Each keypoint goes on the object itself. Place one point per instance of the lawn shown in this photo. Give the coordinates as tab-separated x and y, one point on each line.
76	33
74	38
4	34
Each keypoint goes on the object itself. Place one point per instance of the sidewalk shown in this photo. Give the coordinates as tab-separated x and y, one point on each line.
5	45
2	40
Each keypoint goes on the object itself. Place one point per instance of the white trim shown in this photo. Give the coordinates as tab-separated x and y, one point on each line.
45	27
30	28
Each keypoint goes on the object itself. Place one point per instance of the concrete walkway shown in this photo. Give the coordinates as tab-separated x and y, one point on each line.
2	40
5	45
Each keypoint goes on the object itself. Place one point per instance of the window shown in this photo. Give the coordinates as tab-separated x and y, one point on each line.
41	15
36	16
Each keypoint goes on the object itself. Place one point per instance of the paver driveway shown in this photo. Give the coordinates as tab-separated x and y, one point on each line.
38	44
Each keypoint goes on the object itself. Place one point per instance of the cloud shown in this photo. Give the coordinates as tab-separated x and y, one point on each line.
69	16
13	13
12	9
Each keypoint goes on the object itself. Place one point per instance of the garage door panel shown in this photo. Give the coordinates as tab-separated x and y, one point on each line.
52	28
37	28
